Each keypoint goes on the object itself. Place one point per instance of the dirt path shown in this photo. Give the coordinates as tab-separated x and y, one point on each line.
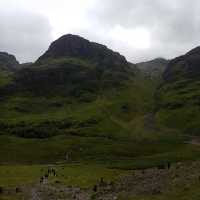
35	194
47	192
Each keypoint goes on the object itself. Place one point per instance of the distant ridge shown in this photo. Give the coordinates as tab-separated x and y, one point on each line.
153	68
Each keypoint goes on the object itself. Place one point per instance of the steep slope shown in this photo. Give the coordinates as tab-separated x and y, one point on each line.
179	94
153	68
7	62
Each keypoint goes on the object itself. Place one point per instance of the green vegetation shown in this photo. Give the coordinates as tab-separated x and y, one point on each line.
179	106
115	130
178	96
70	174
5	78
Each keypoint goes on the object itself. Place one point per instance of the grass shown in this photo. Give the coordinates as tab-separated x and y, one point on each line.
124	154
124	137
5	78
81	175
179	105
117	112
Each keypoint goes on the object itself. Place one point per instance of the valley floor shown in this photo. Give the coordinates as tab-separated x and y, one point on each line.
85	182
142	171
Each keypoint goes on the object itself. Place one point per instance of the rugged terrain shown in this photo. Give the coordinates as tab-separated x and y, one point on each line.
109	128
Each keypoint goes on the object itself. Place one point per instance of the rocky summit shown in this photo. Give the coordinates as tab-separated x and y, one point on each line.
75	46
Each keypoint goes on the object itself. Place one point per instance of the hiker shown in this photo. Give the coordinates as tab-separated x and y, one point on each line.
46	176
41	179
168	165
1	190
95	188
102	182
54	172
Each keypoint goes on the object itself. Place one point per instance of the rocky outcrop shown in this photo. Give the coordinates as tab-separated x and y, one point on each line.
76	46
7	61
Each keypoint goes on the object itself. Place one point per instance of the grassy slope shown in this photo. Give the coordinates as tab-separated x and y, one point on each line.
71	174
125	137
179	103
5	78
124	130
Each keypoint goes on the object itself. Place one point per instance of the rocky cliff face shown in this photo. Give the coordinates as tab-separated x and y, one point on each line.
7	61
76	46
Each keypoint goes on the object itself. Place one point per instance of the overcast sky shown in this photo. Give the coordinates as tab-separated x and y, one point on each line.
139	29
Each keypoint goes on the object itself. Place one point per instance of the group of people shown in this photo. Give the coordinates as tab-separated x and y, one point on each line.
50	171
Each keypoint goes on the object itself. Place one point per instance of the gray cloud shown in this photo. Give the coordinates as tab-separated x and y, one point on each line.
24	34
173	26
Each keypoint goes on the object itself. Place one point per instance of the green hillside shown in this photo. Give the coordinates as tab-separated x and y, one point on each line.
178	96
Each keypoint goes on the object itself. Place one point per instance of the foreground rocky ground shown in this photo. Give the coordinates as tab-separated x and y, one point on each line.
150	182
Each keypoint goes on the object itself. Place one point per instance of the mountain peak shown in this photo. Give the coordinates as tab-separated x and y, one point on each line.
78	47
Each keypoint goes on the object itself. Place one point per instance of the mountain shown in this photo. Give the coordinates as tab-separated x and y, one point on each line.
77	87
153	68
83	118
7	62
179	96
78	47
73	66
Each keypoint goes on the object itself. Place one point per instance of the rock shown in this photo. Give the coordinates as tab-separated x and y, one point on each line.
75	46
8	61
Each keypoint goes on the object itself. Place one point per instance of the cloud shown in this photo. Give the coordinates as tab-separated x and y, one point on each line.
172	27
24	34
139	29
